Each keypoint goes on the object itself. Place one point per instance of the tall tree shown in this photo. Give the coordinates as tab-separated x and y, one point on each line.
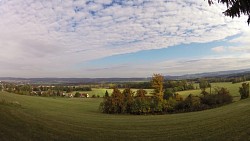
235	8
157	84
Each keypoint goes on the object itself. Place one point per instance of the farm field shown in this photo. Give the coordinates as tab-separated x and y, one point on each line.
42	118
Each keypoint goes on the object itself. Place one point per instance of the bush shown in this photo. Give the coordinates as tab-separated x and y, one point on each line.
167	94
191	103
140	106
221	97
244	90
77	94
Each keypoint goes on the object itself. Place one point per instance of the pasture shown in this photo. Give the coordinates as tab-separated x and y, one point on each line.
42	118
233	89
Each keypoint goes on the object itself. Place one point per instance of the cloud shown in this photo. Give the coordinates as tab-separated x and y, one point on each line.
50	36
219	49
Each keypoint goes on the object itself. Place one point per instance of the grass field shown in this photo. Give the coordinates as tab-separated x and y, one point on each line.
41	118
233	89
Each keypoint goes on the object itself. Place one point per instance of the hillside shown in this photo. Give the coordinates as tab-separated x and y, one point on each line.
39	118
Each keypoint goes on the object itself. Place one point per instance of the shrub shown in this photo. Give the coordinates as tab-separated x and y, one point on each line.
222	96
244	90
167	94
140	106
178	97
77	94
191	103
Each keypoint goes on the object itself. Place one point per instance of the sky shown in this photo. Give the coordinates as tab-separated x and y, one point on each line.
119	38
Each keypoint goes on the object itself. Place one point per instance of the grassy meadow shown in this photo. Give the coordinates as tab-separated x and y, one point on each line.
46	118
233	89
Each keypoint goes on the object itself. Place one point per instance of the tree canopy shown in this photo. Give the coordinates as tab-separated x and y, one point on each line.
235	8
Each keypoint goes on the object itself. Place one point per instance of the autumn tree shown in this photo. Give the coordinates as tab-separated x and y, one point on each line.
141	93
235	8
157	84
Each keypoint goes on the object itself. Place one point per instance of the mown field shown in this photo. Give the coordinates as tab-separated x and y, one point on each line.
42	118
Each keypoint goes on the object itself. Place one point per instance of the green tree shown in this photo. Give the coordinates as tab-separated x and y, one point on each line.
168	93
235	8
157	84
203	84
77	94
129	98
106	94
244	90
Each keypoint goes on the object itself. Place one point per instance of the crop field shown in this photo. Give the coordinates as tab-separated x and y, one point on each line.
46	118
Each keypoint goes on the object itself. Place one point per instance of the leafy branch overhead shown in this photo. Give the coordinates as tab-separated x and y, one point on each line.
235	8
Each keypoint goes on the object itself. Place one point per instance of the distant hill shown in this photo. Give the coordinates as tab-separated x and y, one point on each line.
225	74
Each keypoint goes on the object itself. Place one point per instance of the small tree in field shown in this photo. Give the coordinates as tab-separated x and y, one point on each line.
106	94
244	90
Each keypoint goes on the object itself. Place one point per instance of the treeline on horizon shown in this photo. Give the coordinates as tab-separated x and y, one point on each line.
171	86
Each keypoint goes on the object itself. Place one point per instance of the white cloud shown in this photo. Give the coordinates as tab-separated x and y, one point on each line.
43	34
219	49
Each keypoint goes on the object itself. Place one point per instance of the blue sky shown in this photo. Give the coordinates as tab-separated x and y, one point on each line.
119	38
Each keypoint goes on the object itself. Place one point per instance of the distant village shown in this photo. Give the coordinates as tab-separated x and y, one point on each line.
45	90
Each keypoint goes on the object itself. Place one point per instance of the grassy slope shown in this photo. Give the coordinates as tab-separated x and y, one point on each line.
41	118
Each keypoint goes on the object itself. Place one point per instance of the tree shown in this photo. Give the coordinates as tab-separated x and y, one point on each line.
203	85
235	8
244	90
141	93
106	94
129	98
157	84
77	94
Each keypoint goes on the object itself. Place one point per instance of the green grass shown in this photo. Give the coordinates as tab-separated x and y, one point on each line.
233	89
41	118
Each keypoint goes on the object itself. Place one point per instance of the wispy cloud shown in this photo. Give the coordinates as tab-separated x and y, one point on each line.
219	49
49	38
